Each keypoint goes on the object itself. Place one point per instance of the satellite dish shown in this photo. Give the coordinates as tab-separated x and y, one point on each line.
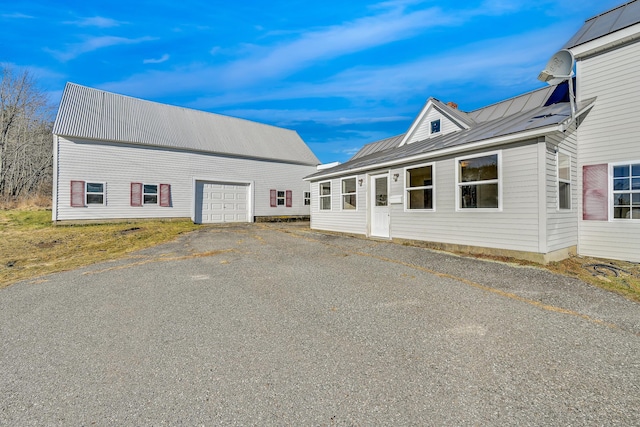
558	69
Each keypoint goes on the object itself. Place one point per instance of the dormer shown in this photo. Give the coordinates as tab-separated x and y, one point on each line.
436	119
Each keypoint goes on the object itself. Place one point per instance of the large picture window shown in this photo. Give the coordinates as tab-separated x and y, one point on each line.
564	180
349	194
419	187
479	182
325	195
626	191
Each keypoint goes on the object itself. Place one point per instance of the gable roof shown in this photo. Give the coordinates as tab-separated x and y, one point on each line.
529	124
508	107
99	115
606	23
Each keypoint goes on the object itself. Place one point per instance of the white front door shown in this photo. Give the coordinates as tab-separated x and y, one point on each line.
379	196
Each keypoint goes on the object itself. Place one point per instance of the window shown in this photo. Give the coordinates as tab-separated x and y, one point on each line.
419	187
478	182
87	193
281	198
150	194
626	191
349	194
564	180
307	198
325	195
435	126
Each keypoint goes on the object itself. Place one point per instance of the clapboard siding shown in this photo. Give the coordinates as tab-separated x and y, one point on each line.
336	219
610	133
515	227
423	131
562	225
118	164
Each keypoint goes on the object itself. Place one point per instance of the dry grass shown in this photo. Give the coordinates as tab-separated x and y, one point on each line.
627	281
32	246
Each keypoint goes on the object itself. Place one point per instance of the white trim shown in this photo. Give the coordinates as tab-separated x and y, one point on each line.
371	190
342	194
567	181
608	41
522	136
432	187
329	196
55	177
250	194
498	181
104	193
611	190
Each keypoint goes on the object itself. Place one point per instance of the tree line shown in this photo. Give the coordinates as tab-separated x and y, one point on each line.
26	145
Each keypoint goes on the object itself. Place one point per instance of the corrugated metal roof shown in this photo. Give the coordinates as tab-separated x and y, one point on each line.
508	107
96	114
374	147
606	23
539	117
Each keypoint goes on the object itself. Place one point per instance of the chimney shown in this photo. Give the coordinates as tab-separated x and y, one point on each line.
452	105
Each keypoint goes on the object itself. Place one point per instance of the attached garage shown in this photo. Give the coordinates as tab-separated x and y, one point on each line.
219	202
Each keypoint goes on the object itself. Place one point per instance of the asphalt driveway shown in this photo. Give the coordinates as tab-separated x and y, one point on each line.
278	325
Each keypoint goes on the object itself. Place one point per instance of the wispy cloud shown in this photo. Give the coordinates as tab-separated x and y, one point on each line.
16	15
160	60
92	44
95	21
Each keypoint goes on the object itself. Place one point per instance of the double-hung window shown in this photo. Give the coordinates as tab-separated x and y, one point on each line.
349	194
626	191
419	187
307	198
88	193
478	182
325	195
564	180
150	194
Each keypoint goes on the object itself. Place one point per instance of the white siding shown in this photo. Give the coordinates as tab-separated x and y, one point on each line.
336	219
423	131
562	225
610	133
514	228
118	165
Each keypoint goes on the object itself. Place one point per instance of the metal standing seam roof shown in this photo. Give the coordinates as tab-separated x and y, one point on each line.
537	118
606	23
99	115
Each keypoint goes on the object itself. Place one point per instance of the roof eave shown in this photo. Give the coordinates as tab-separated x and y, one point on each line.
592	47
488	143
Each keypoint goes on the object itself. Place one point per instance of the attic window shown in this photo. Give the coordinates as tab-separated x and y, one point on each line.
435	126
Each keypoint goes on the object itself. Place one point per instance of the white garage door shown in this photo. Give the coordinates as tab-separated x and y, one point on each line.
222	202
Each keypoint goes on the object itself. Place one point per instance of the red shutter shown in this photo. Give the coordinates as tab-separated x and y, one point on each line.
289	198
595	189
77	193
165	195
274	201
136	194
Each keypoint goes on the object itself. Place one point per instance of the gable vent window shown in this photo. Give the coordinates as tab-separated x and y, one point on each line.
435	126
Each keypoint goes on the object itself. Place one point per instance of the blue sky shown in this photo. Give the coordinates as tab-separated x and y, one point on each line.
341	73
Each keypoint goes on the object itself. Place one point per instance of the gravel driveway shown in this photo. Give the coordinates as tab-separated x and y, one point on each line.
279	325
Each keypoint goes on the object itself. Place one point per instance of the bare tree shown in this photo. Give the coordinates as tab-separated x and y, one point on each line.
26	155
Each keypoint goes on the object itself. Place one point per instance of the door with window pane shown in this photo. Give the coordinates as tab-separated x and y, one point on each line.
379	197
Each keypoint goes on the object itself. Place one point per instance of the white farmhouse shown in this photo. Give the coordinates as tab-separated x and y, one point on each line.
526	177
117	157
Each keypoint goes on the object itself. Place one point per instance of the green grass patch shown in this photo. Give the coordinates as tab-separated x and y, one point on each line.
32	246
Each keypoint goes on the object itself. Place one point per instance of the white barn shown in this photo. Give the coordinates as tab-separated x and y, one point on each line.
118	157
523	177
